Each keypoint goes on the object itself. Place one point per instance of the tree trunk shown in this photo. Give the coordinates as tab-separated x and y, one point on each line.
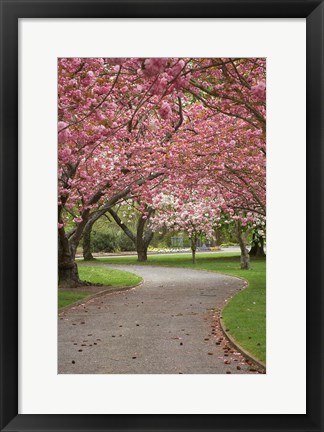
142	238
193	251
67	268
193	248
218	237
245	257
141	248
68	275
256	249
87	255
142	255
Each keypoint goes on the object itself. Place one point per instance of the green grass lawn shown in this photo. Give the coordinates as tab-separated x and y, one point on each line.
95	275
66	297
107	276
245	314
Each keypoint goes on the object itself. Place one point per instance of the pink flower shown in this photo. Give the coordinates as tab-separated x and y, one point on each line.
117	60
63	135
165	111
259	90
153	66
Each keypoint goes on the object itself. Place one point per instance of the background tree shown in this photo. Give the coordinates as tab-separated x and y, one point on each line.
143	235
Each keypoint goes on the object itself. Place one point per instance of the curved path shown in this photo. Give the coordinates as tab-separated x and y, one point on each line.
161	326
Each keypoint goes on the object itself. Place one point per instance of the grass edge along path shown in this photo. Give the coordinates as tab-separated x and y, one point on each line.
244	315
93	274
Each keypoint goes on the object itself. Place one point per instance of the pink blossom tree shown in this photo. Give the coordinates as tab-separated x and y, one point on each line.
115	122
126	123
195	215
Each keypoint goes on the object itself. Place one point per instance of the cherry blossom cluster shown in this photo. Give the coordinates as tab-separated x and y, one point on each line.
188	130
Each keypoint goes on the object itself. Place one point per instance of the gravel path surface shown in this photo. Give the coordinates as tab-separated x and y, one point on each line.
166	325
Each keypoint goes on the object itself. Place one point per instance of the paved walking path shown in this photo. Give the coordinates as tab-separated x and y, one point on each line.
166	325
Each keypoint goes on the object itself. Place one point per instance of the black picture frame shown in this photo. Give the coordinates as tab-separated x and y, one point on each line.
11	11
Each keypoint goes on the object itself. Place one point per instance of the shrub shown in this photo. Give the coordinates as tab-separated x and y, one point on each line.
103	241
124	243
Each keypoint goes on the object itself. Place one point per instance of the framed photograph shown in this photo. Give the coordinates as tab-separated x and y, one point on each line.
138	166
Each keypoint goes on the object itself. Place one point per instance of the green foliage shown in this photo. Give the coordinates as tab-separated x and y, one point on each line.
106	236
228	235
103	241
165	242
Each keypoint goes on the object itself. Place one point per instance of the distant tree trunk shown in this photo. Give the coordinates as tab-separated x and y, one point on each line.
245	257
142	238
141	249
218	237
257	248
87	253
193	248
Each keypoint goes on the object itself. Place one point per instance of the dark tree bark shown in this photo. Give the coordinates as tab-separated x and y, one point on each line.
257	248
218	237
245	257
141	252
68	275
143	236
194	248
87	252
